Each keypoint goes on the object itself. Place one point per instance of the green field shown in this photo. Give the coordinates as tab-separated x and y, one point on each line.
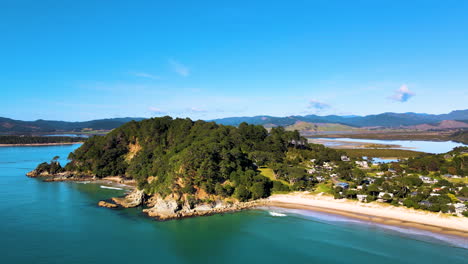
324	187
267	172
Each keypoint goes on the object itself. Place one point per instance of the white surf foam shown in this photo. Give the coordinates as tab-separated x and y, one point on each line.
108	187
276	214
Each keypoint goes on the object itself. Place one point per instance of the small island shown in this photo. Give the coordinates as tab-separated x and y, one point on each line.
184	168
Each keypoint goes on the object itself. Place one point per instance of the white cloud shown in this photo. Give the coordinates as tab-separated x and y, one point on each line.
179	68
317	105
403	94
196	110
147	75
156	111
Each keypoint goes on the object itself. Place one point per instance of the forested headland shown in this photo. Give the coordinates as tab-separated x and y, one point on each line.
180	164
27	140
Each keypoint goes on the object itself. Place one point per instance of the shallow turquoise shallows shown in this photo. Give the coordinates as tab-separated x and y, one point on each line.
60	223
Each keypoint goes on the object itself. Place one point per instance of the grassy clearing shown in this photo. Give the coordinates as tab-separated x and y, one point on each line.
324	187
382	153
267	172
462	180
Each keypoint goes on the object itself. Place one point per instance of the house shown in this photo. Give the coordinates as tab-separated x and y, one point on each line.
345	158
361	197
436	189
413	194
343	185
327	165
459	208
392	170
425	203
334	175
359	187
434	194
362	164
381	194
320	178
380	173
311	171
462	199
429	180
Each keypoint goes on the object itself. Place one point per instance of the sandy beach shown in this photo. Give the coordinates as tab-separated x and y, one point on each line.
375	212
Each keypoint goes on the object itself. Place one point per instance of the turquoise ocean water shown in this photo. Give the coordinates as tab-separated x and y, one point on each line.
60	223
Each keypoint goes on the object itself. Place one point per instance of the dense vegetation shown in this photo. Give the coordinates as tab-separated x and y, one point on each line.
166	155
38	139
204	160
431	182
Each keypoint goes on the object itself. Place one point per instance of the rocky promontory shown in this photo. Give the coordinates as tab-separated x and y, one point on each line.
168	208
174	206
107	204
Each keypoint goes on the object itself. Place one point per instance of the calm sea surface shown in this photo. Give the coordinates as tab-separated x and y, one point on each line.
60	223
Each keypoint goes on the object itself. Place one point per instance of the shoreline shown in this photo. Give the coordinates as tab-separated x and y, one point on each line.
110	180
347	144
380	214
39	144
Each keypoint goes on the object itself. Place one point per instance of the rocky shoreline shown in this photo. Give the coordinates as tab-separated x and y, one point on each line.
172	206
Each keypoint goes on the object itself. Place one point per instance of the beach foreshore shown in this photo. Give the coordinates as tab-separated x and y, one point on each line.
374	212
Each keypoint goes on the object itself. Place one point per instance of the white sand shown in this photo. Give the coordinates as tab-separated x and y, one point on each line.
401	214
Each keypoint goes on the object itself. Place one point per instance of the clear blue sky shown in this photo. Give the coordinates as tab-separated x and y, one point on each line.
81	60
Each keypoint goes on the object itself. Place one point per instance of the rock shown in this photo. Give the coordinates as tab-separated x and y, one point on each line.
170	208
133	199
106	204
203	207
162	208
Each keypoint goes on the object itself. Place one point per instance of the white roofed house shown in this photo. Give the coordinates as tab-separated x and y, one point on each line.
428	180
459	208
382	196
361	197
320	178
345	158
362	164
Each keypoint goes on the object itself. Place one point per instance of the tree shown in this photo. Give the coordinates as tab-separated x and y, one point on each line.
242	193
387	197
259	190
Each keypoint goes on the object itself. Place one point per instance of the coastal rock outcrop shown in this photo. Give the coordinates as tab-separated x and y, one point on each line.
133	199
107	204
162	207
171	208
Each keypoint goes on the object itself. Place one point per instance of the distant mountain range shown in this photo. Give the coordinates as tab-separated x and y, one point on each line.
454	119
391	120
8	125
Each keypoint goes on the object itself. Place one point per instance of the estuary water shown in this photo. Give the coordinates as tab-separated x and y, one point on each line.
61	223
435	147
